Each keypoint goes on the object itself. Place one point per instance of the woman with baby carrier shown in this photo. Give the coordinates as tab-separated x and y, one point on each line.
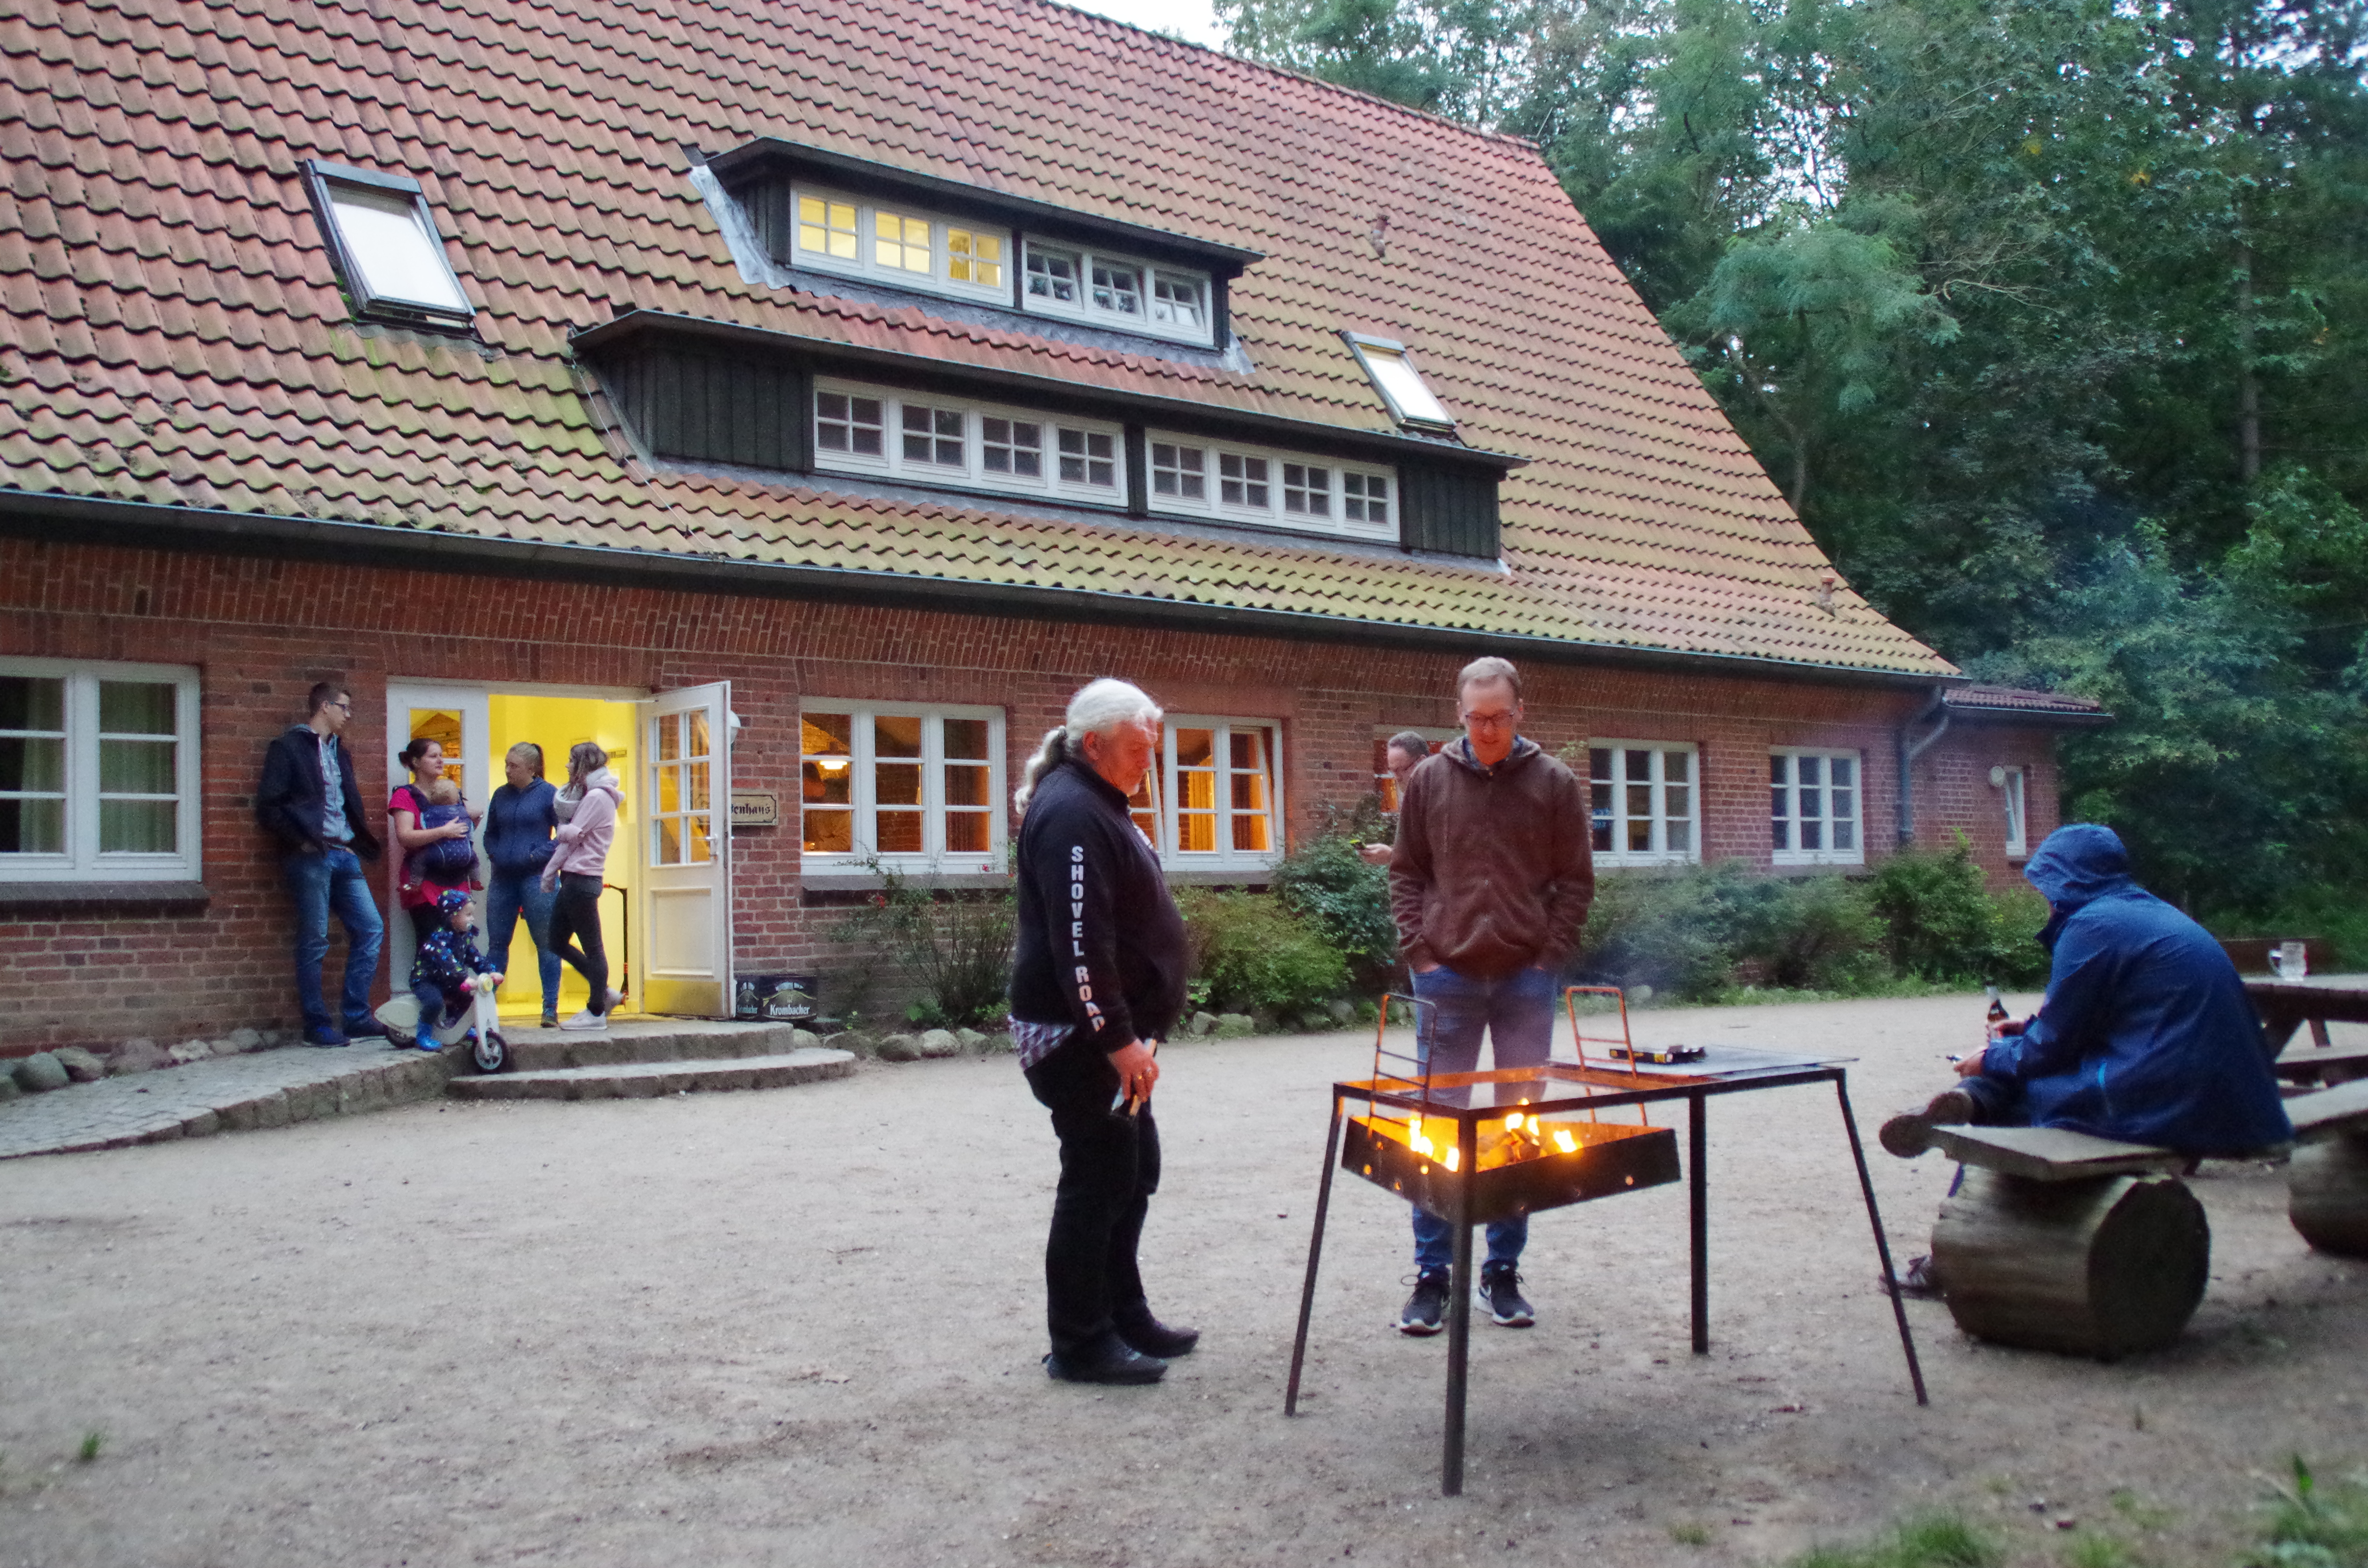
588	821
431	834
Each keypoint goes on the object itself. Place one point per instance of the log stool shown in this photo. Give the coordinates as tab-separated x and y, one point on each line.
2326	1185
2058	1241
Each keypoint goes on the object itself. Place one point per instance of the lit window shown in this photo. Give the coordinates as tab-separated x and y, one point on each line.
973	257
1176	301
682	806
1051	276
843	424
899	242
2018	831
1088	457
1217	803
98	772
1117	289
933	436
1241	481
826	227
1643	801
1365	497
1812	808
1401	385
1012	446
386	245
915	785
1180	472
1306	491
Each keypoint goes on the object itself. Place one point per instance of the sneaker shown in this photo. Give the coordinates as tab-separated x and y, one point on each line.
1148	1335
1500	1292
429	1042
325	1039
368	1028
1426	1305
1910	1134
585	1020
551	1020
1112	1363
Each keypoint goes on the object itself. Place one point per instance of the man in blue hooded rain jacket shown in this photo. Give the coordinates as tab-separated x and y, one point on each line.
2147	1035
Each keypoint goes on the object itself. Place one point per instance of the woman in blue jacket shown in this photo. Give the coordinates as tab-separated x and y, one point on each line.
2147	1035
519	822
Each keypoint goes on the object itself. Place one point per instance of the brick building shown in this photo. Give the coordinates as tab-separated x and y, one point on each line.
804	403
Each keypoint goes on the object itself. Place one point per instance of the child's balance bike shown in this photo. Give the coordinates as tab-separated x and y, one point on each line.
481	1025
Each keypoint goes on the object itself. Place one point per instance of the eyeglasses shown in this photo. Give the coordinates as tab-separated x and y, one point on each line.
1490	721
347	706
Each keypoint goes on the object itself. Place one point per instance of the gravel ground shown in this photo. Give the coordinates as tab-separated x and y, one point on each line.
803	1327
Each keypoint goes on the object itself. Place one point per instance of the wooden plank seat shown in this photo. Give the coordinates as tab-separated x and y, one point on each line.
2058	1241
2334	1065
2327	1183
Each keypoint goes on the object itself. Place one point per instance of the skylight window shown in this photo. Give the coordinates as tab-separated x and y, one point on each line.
1401	385
384	242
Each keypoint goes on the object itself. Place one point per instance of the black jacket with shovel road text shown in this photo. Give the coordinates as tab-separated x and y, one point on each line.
1101	945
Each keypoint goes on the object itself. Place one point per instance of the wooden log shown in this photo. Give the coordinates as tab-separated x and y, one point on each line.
2327	1194
2105	1266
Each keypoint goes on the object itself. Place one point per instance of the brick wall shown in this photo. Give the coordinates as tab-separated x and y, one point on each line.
261	630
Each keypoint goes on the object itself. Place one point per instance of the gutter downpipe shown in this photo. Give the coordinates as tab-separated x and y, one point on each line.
1909	752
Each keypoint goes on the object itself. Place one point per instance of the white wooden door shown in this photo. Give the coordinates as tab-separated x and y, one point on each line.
685	892
458	718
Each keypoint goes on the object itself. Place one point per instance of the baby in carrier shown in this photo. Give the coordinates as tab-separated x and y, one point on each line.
447	862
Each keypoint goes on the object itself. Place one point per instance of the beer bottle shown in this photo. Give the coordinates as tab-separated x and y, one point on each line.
1997	1008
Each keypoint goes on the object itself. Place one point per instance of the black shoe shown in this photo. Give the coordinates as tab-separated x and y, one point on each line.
325	1038
1109	1362
1426	1305
1500	1290
1148	1335
1910	1134
368	1028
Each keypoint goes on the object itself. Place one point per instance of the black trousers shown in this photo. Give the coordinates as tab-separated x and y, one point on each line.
576	914
1110	1168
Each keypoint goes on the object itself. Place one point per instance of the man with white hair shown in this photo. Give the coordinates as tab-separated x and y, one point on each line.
1490	882
1096	982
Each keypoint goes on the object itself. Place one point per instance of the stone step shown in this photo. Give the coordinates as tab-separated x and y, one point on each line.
537	1049
647	1080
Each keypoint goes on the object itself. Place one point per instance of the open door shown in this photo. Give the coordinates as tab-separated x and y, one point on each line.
457	719
686	891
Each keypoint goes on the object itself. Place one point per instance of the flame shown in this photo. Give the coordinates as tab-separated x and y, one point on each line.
1565	1142
1513	1122
1452	1156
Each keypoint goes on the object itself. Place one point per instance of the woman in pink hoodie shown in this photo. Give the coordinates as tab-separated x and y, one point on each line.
588	821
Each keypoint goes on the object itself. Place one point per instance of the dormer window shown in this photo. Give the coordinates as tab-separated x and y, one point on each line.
384	243
1393	375
1116	290
891	243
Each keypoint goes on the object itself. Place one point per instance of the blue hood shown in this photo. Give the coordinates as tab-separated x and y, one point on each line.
2079	864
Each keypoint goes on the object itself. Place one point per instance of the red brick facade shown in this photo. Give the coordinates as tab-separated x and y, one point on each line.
261	630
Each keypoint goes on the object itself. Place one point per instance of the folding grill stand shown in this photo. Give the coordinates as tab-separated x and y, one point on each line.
1696	1092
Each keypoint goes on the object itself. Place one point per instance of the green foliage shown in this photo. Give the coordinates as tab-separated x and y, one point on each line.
92	1442
952	946
1940	924
1256	955
2313	1527
1327	883
1933	1541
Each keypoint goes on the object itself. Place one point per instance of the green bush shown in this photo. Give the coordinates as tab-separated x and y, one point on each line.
953	946
1253	954
1943	925
1329	884
1673	933
1808	933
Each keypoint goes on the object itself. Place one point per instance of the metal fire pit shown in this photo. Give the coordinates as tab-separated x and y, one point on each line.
1517	1176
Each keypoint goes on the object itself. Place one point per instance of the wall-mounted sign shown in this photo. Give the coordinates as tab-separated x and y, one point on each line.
756	808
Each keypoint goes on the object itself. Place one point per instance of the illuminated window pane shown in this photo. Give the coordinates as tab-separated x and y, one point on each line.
972	257
901	243
826	228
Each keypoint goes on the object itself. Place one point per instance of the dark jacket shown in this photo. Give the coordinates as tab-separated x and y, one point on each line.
518	825
446	959
289	802
2146	1034
1101	945
1494	869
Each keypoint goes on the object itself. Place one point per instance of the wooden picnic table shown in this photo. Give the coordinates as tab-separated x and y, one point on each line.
2286	1005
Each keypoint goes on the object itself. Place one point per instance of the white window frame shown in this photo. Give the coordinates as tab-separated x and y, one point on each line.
2016	800
1148	277
1163	807
81	860
1659	854
1395	376
1825	855
865	264
1211	503
863	802
973	472
327	181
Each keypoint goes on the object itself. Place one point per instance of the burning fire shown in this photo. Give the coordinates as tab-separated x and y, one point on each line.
1518	1136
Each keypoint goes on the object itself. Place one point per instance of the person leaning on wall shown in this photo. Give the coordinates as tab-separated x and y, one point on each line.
310	800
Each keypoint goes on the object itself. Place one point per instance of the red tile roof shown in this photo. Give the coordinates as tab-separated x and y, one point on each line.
1983	699
175	335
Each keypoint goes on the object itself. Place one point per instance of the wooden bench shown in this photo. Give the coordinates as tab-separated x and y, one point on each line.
2325	1068
2327	1184
2058	1241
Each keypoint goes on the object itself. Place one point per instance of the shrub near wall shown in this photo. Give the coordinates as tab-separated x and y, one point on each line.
1253	955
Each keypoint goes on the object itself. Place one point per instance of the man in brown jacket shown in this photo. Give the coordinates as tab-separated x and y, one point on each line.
1490	884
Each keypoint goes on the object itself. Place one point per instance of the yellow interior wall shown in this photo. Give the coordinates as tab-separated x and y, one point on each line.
556	723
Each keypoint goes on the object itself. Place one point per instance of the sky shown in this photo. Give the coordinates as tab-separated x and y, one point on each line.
1192	20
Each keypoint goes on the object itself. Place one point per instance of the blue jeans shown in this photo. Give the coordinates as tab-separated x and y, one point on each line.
333	880
509	894
1516	1013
